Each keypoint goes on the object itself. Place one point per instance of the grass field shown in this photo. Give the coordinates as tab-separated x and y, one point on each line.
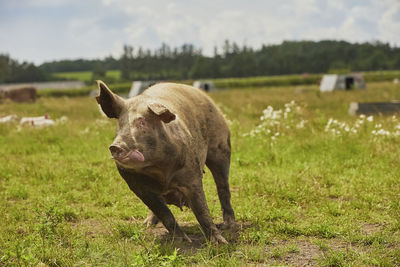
310	185
86	76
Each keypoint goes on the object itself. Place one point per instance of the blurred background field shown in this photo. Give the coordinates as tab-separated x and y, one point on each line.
223	83
310	185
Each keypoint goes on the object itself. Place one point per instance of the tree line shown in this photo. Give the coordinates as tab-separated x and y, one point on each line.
230	60
13	71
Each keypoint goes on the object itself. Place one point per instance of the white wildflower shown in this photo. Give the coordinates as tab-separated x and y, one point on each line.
328	124
62	120
381	132
85	131
301	124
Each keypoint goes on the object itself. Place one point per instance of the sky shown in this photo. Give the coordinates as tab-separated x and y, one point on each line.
45	30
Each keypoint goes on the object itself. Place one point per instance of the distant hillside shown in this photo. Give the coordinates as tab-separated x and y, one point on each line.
188	62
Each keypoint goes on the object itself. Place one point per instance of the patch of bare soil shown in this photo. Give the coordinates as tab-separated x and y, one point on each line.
92	227
307	251
370	229
195	233
305	255
192	231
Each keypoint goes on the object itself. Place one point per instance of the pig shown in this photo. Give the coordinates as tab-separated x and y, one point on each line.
165	137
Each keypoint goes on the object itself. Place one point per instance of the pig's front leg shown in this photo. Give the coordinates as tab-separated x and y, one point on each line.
197	200
157	205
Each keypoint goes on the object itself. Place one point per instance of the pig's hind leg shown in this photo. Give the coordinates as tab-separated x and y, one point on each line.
197	201
218	161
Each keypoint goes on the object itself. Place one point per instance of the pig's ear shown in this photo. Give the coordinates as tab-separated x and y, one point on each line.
110	103
162	112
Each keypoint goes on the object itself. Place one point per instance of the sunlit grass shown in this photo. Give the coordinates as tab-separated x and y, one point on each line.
75	75
307	195
86	76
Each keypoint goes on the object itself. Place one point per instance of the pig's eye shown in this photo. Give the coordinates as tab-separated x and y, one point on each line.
140	122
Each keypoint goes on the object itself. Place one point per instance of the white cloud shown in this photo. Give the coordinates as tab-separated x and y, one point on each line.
41	30
389	24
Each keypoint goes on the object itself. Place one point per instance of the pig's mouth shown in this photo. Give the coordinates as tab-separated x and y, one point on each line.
133	156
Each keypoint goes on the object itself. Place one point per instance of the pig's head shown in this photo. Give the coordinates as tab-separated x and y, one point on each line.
141	130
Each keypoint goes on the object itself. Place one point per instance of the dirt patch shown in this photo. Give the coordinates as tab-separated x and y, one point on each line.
194	232
307	251
305	254
371	229
93	228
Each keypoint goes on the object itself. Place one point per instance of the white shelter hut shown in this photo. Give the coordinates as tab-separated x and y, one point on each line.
331	82
139	86
206	86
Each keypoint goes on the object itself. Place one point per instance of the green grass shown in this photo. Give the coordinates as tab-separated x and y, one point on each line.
75	75
119	88
86	76
303	196
116	74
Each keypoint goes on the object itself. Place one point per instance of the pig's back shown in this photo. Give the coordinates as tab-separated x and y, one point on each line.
177	94
191	105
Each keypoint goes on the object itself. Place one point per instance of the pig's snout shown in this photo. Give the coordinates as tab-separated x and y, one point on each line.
116	151
120	154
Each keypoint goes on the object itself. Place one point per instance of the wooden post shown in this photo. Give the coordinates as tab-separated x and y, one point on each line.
374	108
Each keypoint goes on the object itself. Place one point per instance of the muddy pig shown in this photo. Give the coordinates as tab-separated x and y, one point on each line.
165	137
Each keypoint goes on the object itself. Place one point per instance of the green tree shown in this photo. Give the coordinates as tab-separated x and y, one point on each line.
126	62
99	72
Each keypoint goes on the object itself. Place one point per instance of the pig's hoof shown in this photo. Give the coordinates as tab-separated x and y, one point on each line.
187	238
183	238
151	220
218	238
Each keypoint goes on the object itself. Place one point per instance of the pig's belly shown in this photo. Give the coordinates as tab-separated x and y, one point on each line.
176	198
